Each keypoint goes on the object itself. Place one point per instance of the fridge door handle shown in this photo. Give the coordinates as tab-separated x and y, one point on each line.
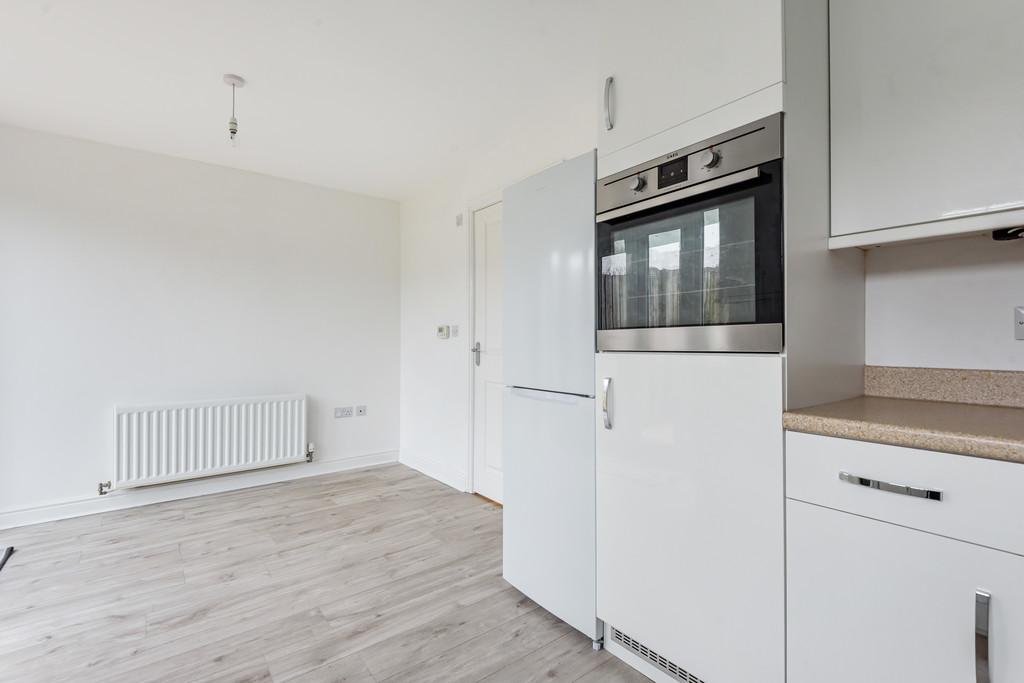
606	388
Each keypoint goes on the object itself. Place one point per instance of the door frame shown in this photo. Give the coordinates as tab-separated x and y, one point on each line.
478	204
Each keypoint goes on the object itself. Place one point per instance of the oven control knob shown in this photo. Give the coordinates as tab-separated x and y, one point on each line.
710	158
638	183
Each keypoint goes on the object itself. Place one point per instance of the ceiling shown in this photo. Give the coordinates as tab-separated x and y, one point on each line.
379	96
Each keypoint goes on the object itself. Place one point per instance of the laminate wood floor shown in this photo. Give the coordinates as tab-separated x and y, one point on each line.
376	575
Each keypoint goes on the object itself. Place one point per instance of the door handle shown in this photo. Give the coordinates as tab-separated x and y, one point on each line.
476	353
982	603
903	489
606	385
609	121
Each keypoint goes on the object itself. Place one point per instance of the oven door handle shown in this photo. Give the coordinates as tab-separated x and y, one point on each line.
683	193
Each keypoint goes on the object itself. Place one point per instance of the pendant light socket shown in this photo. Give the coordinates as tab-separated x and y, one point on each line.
235	80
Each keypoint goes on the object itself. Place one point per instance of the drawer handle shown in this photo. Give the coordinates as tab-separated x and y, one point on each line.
982	601
903	489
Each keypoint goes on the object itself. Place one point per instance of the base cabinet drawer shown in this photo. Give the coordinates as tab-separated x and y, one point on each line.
981	499
872	601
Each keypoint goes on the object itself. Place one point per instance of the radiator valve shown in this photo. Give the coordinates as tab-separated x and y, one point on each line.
103	488
310	450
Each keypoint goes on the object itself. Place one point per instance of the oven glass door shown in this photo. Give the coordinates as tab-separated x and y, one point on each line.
707	260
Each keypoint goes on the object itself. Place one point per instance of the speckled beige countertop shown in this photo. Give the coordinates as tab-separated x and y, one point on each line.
980	430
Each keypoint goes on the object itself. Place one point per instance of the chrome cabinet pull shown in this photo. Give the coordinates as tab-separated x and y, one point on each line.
609	122
903	489
606	389
982	602
476	353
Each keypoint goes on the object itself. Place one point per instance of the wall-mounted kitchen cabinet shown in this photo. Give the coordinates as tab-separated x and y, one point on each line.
682	71
927	105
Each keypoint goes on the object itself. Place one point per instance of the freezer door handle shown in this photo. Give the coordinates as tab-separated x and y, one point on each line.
606	385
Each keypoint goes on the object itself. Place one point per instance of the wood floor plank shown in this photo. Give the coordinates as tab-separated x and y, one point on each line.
411	647
351	669
565	659
489	652
613	670
364	576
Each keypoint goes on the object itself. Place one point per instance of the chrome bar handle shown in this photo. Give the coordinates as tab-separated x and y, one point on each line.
606	384
982	603
476	353
609	122
903	489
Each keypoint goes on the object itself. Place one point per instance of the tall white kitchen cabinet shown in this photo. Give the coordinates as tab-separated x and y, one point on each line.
690	552
873	601
684	70
927	101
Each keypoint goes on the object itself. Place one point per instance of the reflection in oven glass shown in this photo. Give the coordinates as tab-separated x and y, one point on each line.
691	269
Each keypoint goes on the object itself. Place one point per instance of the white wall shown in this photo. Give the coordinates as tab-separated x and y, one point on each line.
128	277
946	304
435	394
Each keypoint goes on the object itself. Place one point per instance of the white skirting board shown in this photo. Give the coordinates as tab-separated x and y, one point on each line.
119	500
435	469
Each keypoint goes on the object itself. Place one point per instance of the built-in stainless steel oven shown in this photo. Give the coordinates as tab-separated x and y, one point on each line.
689	247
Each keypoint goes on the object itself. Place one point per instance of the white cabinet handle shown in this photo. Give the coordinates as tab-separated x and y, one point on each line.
609	121
982	602
606	389
913	491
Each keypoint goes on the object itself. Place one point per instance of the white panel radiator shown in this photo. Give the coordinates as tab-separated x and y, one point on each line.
159	444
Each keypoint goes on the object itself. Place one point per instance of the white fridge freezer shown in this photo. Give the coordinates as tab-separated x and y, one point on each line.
548	413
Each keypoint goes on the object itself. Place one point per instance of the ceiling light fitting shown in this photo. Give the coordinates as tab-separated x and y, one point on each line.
234	81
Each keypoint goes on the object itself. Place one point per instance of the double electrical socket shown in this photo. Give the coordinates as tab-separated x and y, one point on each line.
346	411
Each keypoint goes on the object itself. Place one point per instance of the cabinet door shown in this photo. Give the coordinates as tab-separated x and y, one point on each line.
673	60
690	510
871	601
927	102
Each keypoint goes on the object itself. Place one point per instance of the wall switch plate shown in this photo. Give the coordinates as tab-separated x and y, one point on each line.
360	410
1018	323
343	412
443	331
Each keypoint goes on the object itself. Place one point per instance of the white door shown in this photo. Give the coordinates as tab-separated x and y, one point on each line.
871	601
488	384
690	552
549	519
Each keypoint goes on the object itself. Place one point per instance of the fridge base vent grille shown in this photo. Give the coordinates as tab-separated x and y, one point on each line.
649	655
